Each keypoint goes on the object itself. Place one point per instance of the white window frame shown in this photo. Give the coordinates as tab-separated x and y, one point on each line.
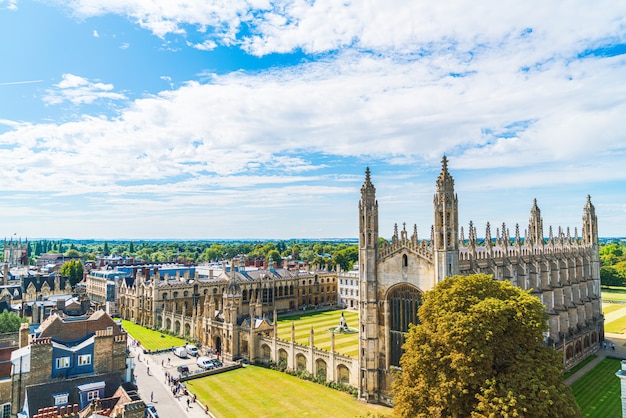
93	394
84	359
5	410
61	399
63	362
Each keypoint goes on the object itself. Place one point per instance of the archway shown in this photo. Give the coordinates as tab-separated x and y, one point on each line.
300	362
343	374
403	300
320	368
187	329
168	324
177	327
282	358
218	345
265	352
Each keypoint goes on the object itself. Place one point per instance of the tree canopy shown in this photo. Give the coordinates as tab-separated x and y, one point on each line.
74	270
478	351
10	321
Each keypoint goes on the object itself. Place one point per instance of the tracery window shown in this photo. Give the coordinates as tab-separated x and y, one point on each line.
404	301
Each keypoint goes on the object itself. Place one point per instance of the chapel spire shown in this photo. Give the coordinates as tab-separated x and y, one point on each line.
446	226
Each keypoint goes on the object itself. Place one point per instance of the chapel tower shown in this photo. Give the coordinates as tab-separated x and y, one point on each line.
369	386
535	225
446	226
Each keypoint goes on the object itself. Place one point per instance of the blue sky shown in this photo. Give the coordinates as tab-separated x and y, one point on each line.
257	119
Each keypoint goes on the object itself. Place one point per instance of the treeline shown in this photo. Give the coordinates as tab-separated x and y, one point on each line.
321	253
613	264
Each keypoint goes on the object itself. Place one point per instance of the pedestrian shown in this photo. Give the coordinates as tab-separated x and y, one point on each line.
188	402
604	345
168	361
151	396
162	363
148	371
613	346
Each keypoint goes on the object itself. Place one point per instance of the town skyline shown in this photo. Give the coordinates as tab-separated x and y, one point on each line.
128	120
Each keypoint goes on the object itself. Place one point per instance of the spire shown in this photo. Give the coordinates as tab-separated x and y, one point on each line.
488	236
445	182
535	225
590	223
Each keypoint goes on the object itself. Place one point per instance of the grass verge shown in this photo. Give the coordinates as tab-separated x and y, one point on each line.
578	366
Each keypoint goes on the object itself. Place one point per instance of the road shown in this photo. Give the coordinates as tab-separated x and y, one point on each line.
166	404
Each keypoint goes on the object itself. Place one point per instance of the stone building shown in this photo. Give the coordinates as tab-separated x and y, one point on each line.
562	270
68	361
215	309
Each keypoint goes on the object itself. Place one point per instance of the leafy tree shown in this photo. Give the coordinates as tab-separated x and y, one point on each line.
479	352
72	253
131	247
105	251
10	321
74	270
610	277
274	256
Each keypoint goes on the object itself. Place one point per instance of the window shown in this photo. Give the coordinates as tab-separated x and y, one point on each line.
84	360
63	362
5	410
60	399
93	394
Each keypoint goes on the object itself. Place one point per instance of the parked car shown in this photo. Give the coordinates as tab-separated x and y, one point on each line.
151	412
180	352
205	363
183	369
192	350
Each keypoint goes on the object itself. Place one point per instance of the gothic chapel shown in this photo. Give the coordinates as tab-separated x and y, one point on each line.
562	270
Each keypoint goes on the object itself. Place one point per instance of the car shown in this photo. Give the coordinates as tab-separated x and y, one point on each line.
183	369
205	363
216	363
151	412
192	350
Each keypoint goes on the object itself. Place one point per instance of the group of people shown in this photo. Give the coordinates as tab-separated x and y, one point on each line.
604	345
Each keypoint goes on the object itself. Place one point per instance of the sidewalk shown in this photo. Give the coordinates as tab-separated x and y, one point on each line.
620	352
164	401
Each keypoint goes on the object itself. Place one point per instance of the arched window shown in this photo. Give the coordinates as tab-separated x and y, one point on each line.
405	260
404	301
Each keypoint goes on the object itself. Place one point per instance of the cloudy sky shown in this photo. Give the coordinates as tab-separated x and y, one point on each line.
257	118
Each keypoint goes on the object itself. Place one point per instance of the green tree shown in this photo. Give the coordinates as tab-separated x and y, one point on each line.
610	277
274	255
73	270
131	247
478	351
10	321
105	251
72	253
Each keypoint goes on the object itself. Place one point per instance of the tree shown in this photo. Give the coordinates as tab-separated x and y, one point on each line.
105	251
10	321
478	351
73	270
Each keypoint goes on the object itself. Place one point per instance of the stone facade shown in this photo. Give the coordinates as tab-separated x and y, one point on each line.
212	310
562	270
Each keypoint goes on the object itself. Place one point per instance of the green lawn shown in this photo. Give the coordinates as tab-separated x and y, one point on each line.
617	326
259	392
347	344
598	392
149	339
612	307
613	293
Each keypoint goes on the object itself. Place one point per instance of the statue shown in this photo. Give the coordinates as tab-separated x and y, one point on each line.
343	326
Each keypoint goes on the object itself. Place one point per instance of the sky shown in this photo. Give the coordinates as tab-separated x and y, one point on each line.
209	119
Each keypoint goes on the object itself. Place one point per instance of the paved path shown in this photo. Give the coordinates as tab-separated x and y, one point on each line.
620	352
165	403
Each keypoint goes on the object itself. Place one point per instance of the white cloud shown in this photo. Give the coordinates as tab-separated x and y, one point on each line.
8	4
96	34
78	90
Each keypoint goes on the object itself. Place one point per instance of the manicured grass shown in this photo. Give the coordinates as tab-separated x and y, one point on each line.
347	344
613	293
611	307
149	339
259	392
578	366
616	326
598	392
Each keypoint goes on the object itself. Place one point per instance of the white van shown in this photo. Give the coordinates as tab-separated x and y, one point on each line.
180	352
192	350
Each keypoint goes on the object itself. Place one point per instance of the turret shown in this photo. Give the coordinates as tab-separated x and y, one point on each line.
446	226
535	225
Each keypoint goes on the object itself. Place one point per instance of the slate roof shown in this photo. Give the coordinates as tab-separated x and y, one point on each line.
59	329
40	396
